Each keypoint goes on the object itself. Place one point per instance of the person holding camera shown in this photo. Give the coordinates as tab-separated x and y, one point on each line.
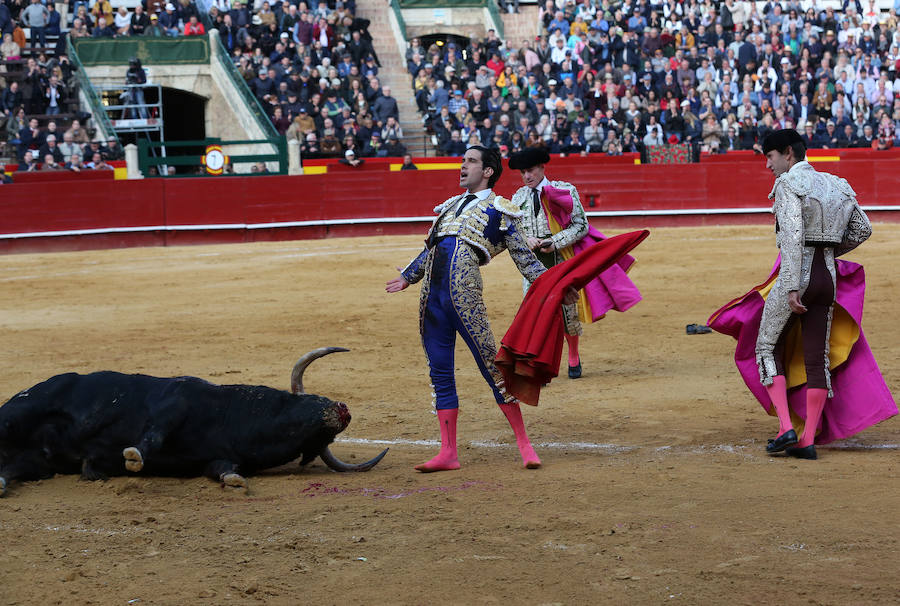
135	94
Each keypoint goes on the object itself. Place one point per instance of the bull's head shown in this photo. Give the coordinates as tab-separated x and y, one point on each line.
340	412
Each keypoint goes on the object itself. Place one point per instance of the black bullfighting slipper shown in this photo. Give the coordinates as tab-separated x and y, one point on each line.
807	452
575	371
697	329
785	440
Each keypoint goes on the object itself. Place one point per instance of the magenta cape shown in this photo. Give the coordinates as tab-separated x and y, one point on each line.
612	289
861	397
530	351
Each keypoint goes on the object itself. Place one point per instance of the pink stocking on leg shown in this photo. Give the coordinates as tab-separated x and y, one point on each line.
815	403
446	459
778	393
514	415
574	358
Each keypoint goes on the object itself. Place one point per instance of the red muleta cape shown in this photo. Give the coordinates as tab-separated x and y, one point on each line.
531	350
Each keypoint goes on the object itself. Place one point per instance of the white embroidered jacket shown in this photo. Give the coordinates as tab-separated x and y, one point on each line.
814	208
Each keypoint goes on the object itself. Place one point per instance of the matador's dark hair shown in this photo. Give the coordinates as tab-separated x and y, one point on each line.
490	159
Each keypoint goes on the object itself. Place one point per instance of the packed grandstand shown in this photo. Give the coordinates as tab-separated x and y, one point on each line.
602	77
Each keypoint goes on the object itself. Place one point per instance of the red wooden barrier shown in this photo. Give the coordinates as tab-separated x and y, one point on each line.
345	201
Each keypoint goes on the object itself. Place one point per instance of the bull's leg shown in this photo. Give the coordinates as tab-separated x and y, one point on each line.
226	473
28	465
169	415
88	472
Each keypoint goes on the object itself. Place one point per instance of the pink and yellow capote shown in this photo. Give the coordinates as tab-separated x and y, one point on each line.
610	290
861	397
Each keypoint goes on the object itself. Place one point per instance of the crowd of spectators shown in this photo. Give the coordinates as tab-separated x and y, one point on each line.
40	83
604	76
311	65
36	79
315	73
54	149
615	77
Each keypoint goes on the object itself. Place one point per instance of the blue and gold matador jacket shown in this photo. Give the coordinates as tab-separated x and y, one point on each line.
450	263
487	228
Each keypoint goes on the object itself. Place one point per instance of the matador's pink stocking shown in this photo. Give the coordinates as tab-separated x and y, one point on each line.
574	358
778	393
514	415
446	459
815	403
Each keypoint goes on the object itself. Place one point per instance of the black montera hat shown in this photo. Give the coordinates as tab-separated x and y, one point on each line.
781	139
528	158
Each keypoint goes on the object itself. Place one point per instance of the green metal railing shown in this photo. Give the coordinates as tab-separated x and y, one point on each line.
146	157
253	104
398	13
98	111
498	20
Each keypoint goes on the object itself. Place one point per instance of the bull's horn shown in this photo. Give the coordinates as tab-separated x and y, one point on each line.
306	360
336	464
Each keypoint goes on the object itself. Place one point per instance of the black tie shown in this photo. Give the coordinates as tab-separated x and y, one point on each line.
537	201
465	203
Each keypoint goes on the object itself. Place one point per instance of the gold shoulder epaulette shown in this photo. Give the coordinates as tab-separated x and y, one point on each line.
505	206
443	205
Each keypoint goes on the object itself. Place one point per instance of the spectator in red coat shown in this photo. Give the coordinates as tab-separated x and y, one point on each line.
496	64
324	33
194	27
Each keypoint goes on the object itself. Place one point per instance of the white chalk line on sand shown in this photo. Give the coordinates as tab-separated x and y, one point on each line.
612	448
488	444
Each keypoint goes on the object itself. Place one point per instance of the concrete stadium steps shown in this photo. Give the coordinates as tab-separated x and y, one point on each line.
518	26
523	25
393	73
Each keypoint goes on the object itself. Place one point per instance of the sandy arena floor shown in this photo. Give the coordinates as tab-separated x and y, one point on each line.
655	488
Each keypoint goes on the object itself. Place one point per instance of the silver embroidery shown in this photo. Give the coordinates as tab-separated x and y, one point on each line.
810	208
828	205
539	227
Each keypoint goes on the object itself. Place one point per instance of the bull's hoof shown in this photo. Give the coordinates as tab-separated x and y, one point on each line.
2	486
234	480
134	461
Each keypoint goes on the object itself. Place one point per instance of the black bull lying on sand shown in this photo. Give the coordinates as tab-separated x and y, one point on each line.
107	423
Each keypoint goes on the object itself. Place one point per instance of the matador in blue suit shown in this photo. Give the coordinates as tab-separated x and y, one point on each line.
469	231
